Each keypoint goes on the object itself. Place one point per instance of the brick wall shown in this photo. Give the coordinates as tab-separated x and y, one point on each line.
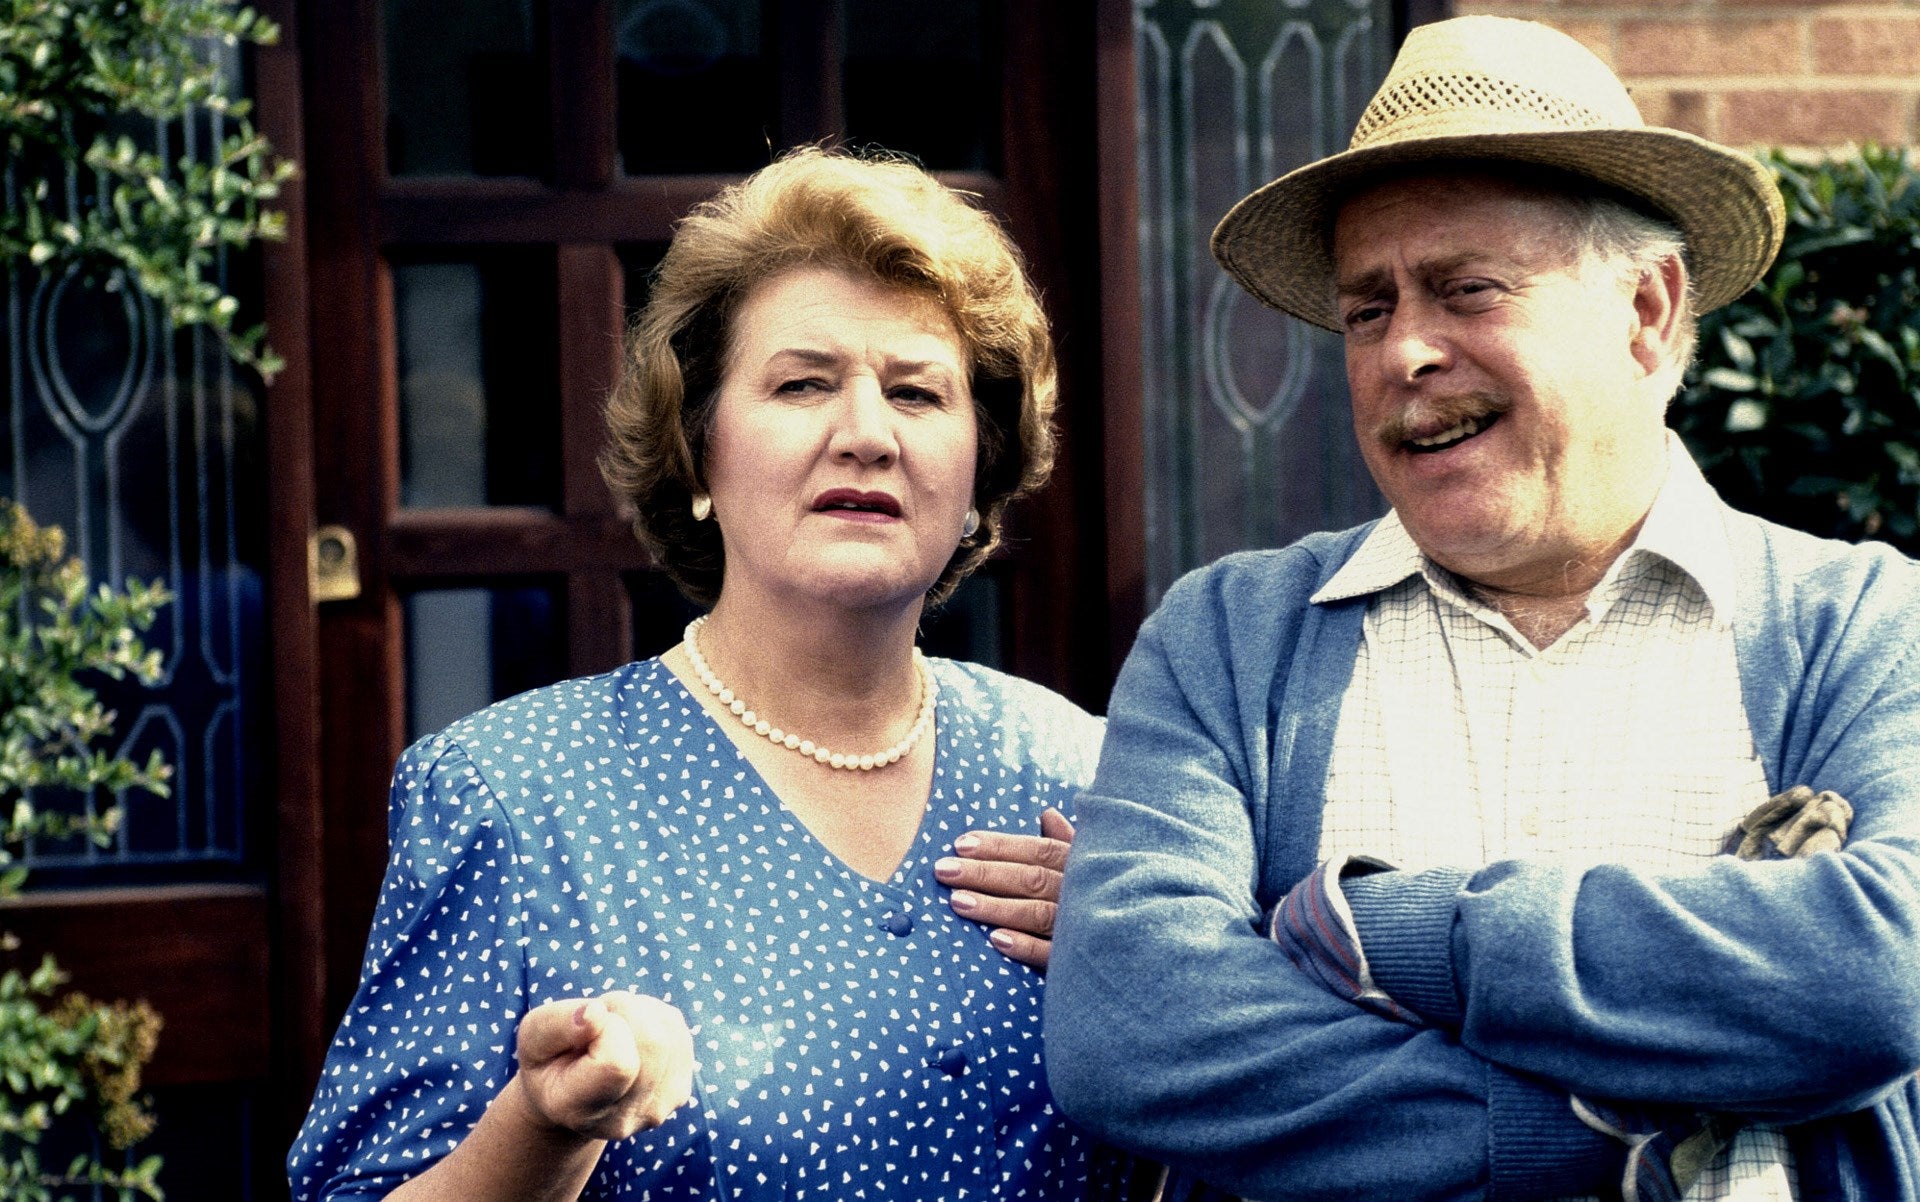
1811	73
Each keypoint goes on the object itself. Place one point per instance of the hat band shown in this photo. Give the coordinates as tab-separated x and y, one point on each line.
1470	104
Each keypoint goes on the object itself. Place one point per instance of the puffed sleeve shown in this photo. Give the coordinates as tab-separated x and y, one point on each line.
428	1039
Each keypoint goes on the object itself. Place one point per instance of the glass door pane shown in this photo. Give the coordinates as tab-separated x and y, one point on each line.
466	89
698	86
660	612
470	647
477	339
922	76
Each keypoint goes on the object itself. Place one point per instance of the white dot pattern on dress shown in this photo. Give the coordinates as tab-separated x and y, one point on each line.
854	1039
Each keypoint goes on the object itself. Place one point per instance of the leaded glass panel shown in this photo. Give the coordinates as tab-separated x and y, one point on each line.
1247	437
146	447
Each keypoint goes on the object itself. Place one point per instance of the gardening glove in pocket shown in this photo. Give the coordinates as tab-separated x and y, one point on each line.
1667	1148
1792	825
1314	927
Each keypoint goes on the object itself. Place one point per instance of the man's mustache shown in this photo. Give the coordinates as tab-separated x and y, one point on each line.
1430	415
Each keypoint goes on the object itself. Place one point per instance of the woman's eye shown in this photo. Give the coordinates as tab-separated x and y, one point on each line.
807	384
913	394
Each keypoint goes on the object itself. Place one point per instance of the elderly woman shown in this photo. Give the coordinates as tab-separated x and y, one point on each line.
753	919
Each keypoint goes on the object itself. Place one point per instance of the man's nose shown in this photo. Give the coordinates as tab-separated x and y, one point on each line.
1415	346
864	425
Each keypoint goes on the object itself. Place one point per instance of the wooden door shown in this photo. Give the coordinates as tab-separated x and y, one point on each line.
484	198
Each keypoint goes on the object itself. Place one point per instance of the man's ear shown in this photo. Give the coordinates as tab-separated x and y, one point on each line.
1655	336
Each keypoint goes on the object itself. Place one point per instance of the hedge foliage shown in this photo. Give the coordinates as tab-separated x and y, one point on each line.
1804	403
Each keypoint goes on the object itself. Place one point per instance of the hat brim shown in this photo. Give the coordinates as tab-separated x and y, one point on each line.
1275	242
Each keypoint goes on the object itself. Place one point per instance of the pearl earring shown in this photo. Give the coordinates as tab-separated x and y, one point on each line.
702	506
970	525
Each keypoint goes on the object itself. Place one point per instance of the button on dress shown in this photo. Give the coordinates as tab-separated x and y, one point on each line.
853	1038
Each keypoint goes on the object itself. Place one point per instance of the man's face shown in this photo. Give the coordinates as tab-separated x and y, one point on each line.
1496	394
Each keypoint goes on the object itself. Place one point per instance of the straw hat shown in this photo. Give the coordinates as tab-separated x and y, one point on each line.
1498	89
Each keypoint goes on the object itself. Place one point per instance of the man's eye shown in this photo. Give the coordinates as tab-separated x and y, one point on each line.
1365	315
1466	289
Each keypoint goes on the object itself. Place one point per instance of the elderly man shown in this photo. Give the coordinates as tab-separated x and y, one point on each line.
1409	870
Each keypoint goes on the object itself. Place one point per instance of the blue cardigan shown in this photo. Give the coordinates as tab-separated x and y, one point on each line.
1785	991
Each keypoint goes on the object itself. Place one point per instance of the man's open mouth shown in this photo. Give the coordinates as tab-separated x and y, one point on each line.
1452	436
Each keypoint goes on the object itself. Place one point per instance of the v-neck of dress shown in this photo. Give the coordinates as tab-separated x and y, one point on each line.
915	853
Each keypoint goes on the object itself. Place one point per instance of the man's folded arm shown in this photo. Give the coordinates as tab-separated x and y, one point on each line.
1175	1028
1783	991
1779	990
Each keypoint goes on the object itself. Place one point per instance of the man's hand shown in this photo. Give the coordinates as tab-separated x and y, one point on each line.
1792	825
605	1067
1011	883
1312	927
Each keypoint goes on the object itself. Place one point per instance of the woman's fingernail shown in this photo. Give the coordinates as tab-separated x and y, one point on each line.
945	867
966	843
1002	939
964	902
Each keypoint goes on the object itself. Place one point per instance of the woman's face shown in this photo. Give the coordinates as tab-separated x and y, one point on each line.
840	455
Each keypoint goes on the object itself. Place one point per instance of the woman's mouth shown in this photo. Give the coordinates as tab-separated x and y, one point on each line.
854	503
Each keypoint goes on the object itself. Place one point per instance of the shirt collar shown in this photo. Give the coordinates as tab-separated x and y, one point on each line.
1384	558
1684	527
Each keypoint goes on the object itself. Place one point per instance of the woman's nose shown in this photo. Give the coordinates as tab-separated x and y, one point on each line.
863	428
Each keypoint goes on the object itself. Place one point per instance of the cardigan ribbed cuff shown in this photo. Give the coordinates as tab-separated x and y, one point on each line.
1405	923
1538	1148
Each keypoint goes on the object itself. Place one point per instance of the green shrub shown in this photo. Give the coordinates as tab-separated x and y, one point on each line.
54	633
1804	404
75	77
66	1054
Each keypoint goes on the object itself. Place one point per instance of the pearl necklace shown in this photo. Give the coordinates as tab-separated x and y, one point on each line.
807	747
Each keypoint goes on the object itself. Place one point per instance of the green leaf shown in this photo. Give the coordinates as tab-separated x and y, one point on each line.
1746	416
1878	348
1738	350
1728	379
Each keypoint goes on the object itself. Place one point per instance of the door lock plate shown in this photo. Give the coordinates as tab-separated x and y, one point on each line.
333	565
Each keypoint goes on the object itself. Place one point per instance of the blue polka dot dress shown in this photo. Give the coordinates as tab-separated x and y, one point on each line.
854	1039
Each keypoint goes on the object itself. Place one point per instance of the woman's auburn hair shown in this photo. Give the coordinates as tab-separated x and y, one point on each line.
874	215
